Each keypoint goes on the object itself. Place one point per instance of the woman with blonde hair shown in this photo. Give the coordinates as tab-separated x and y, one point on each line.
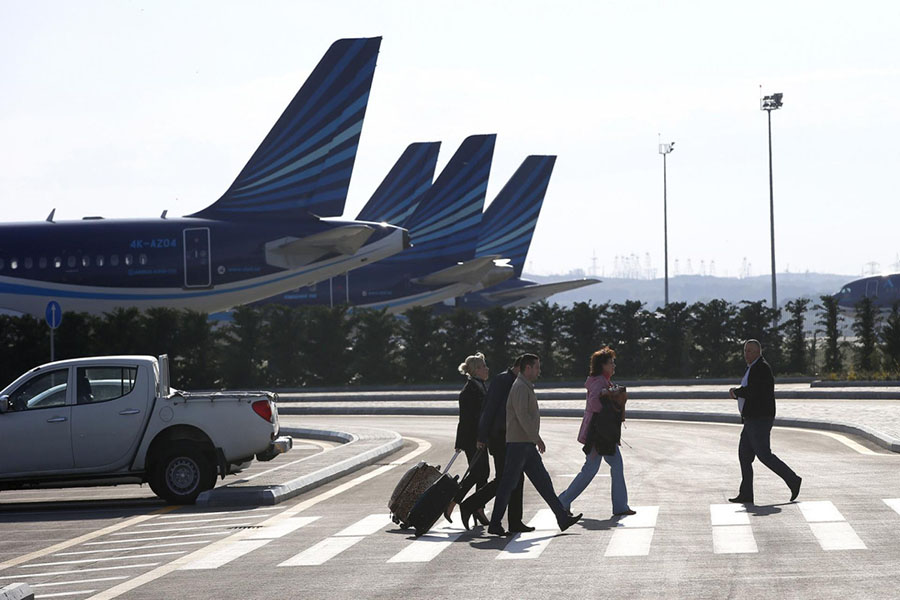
599	394
471	399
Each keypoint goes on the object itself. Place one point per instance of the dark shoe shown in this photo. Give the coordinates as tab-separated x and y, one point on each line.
449	511
741	500
481	517
520	528
625	513
465	514
569	521
497	531
795	489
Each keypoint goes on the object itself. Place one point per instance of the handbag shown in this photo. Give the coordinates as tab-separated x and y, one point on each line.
605	430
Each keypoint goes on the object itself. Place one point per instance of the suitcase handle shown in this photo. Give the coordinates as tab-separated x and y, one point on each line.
450	464
475	459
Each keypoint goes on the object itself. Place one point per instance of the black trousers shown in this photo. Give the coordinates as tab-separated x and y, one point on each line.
478	473
755	444
481	497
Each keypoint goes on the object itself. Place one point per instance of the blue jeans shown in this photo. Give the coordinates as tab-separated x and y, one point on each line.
524	457
587	473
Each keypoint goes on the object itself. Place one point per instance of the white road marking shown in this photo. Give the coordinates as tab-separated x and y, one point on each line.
281	529
126	586
893	503
334	545
428	546
150	547
225	555
167	530
239	518
731	529
221	512
634	533
531	544
828	525
162	537
95	560
80	539
91	570
78	581
61	594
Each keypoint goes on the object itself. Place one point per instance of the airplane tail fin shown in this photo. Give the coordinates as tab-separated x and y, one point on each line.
445	224
508	223
405	185
304	163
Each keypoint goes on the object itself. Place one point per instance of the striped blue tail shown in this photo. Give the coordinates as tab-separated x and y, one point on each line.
404	187
445	225
304	164
508	224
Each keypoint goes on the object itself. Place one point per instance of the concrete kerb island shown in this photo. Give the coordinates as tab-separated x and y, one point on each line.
17	591
359	448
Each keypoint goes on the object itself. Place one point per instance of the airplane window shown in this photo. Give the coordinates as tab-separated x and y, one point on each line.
99	260
14	263
57	262
28	262
129	259
71	261
114	260
42	262
85	261
142	259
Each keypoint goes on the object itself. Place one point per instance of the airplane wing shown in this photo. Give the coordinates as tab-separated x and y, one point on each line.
292	252
523	296
470	271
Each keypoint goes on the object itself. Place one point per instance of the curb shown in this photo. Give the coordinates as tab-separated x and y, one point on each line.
17	591
386	444
883	440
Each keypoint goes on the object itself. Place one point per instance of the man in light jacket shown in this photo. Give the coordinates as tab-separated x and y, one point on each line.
524	447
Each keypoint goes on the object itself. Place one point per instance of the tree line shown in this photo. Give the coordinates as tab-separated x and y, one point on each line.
275	346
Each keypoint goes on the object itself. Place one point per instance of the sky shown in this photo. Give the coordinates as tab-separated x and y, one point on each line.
126	109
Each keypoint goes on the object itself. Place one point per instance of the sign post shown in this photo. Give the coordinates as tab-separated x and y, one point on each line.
53	314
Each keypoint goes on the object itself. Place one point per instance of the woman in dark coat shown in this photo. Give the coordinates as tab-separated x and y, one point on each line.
471	399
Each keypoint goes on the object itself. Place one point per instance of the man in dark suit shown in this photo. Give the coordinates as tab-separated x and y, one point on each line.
756	402
492	435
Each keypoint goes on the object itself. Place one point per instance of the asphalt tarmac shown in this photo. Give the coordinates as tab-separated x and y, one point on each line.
841	539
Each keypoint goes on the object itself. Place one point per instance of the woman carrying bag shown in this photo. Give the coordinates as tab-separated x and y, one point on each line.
600	433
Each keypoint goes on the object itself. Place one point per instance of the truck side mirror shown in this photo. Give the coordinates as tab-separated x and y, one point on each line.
4	404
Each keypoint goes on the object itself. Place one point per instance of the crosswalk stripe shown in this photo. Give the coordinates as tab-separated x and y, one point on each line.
893	503
634	533
245	545
367	526
334	545
731	531
829	527
428	546
728	514
531	544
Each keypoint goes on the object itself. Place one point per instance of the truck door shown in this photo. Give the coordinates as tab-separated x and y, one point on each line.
108	418
197	270
35	435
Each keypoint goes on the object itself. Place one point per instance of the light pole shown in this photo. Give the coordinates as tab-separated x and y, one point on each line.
665	149
768	104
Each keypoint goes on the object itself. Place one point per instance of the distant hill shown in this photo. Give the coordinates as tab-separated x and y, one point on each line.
699	288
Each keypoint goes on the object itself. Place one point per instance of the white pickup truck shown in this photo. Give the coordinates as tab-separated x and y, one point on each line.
114	419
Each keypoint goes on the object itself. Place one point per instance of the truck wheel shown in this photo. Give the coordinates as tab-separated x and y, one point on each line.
181	472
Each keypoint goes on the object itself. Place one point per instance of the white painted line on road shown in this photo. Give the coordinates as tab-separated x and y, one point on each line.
634	533
223	556
532	543
322	552
238	518
849	443
828	525
150	547
820	511
837	536
126	586
163	537
167	530
78	581
91	570
728	514
252	511
734	539
80	539
428	546
893	503
95	560
281	529
61	594
367	526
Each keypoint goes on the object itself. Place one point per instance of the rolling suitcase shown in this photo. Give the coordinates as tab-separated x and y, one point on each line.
431	505
410	488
